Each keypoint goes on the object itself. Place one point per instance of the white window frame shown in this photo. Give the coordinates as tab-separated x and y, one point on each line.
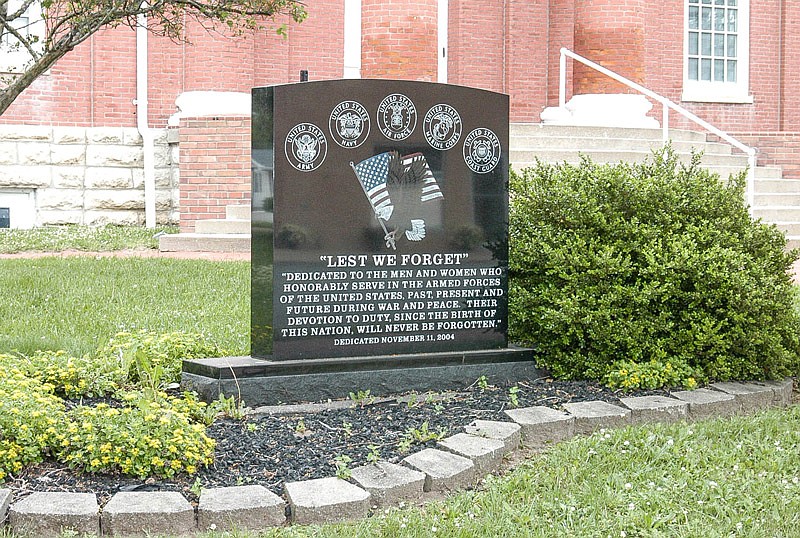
14	58
721	92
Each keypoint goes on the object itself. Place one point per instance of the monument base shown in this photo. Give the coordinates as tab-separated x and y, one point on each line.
268	382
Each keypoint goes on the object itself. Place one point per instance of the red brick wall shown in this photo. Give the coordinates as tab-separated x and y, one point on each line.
790	67
214	167
399	39
776	149
612	34
95	84
476	44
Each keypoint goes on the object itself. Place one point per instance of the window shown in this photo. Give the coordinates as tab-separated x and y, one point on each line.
716	58
13	56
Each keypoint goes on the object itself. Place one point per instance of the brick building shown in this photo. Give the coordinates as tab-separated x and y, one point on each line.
70	149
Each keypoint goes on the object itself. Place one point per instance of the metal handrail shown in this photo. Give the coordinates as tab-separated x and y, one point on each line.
666	106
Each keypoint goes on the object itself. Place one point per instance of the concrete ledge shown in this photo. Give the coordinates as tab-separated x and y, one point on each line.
389	483
50	514
705	403
241	507
443	471
507	432
486	454
593	415
326	500
782	390
542	425
751	396
5	500
134	513
656	409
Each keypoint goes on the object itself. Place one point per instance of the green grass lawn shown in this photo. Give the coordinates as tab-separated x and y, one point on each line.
86	238
722	478
77	304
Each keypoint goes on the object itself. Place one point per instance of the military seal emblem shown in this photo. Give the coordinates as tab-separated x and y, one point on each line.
349	124
482	150
442	127
397	117
306	147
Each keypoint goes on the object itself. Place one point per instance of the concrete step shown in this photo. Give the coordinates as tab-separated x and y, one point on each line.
219	226
776	185
792	241
573	131
238	212
584	144
194	242
777	214
777	200
791	229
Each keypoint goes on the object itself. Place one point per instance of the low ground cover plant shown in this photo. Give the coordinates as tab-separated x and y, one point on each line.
144	432
648	275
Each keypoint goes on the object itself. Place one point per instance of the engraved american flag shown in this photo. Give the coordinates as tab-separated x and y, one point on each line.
372	174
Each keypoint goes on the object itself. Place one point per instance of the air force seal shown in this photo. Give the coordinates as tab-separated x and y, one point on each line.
442	127
482	150
397	117
306	147
349	124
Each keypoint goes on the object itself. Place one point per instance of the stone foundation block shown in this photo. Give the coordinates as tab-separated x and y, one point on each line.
243	507
136	513
389	483
45	514
751	396
542	425
443	471
705	403
326	500
594	415
5	500
782	390
656	409
486	454
507	432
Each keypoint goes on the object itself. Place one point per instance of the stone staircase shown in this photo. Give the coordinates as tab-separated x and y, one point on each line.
231	234
777	200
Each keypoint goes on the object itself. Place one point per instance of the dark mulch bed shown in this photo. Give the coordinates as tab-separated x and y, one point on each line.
284	447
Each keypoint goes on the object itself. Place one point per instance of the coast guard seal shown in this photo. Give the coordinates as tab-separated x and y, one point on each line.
397	117
482	150
306	147
349	124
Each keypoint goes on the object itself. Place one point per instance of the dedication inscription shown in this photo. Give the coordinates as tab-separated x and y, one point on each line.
384	225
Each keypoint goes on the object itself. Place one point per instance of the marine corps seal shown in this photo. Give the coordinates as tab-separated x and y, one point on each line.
442	127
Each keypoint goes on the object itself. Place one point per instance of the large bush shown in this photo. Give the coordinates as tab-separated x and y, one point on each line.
656	263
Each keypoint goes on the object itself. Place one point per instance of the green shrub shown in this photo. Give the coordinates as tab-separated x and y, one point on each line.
30	416
655	261
144	438
153	359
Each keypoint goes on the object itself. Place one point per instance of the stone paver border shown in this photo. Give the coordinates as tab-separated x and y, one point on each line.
384	484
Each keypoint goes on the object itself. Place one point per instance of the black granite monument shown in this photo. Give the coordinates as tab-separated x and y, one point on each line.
379	243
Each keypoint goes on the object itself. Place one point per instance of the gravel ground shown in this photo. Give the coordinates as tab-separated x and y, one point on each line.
282	444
